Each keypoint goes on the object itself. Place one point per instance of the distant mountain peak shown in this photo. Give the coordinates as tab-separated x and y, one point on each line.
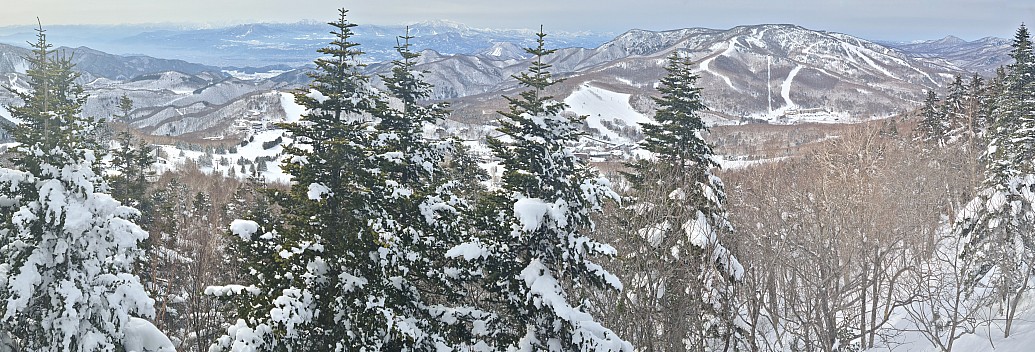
441	25
951	40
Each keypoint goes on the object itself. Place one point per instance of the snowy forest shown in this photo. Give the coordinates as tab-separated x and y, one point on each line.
908	233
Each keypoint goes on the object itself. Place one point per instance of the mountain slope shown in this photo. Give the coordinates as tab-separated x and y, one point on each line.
768	72
982	56
294	44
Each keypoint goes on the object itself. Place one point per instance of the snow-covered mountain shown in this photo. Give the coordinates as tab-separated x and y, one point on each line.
97	64
173	97
293	44
982	56
767	72
773	73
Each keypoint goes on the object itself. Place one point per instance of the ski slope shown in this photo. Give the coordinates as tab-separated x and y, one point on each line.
705	65
602	106
785	88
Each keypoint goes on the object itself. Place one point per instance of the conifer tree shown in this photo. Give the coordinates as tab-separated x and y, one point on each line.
532	246
130	167
347	263
998	225
681	208
953	109
1021	101
125	106
932	126
412	209
66	250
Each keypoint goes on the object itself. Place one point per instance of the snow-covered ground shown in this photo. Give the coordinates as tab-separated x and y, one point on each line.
986	338
602	106
254	76
249	151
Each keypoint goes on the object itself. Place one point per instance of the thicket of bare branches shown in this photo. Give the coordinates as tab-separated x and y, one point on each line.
837	239
187	216
834	241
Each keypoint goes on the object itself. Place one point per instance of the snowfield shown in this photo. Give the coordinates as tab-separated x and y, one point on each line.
602	106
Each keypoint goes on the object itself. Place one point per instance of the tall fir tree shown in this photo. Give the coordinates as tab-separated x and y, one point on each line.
533	247
953	109
67	250
997	227
1021	101
681	205
351	264
933	126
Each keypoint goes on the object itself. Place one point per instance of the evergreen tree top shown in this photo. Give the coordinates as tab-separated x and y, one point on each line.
338	91
1022	45
534	116
676	137
52	130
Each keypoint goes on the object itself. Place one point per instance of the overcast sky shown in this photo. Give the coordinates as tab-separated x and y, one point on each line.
870	19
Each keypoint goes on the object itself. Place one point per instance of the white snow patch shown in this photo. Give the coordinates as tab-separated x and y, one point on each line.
253	76
469	251
292	110
244	228
317	190
698	231
142	336
531	212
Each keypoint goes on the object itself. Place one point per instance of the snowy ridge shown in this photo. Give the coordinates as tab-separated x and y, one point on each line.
830	77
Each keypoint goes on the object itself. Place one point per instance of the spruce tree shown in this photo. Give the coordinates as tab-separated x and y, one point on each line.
953	110
932	126
532	246
66	250
680	211
998	225
348	262
1021	101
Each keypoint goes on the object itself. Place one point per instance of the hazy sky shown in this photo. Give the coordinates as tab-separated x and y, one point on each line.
871	19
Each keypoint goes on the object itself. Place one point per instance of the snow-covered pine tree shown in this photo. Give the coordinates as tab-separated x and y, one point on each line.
998	225
66	250
994	96
680	205
413	212
1021	100
303	268
933	125
349	263
532	245
954	109
129	169
462	167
